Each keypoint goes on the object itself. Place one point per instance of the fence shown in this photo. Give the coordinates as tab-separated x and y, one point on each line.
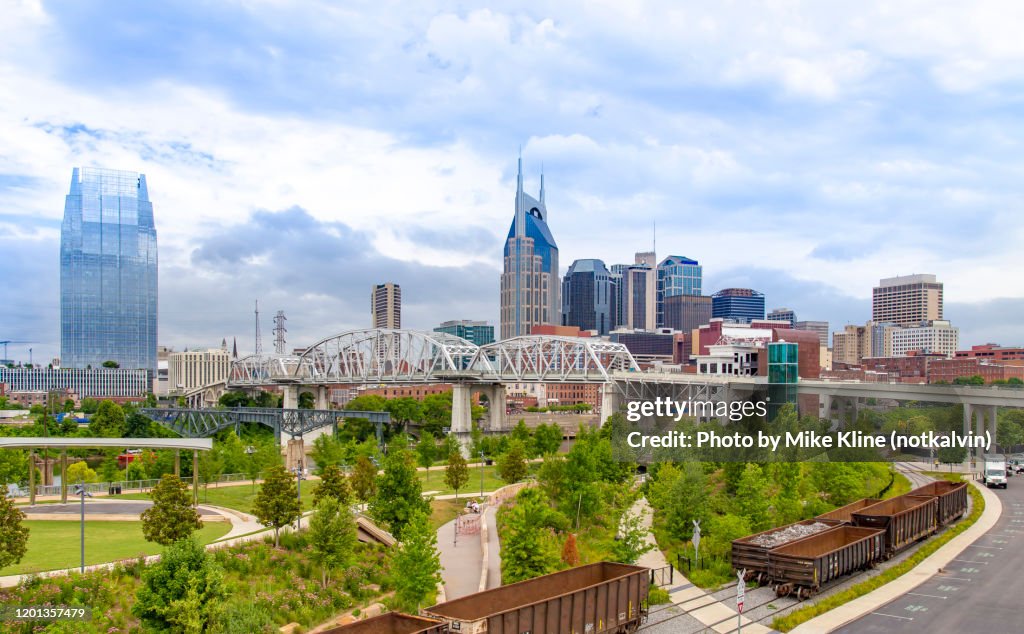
662	577
132	485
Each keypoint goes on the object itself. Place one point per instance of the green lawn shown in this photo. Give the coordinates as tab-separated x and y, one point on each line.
55	544
239	497
434	480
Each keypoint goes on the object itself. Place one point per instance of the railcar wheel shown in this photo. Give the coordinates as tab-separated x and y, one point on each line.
783	590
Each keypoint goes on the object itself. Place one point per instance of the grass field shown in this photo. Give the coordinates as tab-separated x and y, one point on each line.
435	481
239	497
55	544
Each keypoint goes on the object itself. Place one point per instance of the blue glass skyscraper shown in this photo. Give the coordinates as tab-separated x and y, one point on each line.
677	275
108	271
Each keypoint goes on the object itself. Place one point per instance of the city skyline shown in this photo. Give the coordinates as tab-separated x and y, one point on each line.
702	147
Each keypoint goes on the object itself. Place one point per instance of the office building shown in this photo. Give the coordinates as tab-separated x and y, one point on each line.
852	344
907	300
476	332
530	289
108	272
589	296
114	384
741	305
936	337
639	293
820	327
677	275
647	346
192	369
386	306
783	314
686	312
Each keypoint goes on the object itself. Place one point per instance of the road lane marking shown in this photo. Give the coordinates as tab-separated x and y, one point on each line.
930	596
958	578
989	547
968	561
893	616
949	588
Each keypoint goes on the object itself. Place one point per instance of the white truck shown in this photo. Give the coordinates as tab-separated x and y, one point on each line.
994	471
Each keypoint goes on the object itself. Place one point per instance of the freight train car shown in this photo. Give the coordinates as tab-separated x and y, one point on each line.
952	498
845	513
392	623
905	519
801	567
597	599
751	553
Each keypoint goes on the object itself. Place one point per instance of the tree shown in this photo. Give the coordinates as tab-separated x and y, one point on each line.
182	592
108	421
437	412
404	410
426	450
752	497
13	535
277	503
109	363
570	553
547	439
334	485
631	541
137	426
417	565
528	546
399	493
263	456
332	536
307	400
90	405
328	450
211	465
80	472
364	479
456	474
512	465
13	467
171	517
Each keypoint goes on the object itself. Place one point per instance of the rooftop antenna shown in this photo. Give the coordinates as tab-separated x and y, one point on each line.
259	344
279	331
654	238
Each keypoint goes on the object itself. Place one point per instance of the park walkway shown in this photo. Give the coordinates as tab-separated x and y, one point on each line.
703	607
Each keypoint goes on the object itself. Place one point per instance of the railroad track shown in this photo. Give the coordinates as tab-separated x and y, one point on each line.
914	473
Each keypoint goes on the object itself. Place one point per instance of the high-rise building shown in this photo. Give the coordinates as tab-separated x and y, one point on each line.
529	281
907	300
386	306
108	272
193	369
617	276
741	305
677	276
686	312
852	344
820	327
589	296
783	314
931	337
639	293
476	332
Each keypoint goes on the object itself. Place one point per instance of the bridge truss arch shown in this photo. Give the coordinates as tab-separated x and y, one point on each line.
543	358
382	355
265	369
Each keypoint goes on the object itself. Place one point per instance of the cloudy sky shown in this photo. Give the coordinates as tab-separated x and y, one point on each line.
297	153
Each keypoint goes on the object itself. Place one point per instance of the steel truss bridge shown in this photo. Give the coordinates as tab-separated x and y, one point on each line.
398	356
409	356
203	423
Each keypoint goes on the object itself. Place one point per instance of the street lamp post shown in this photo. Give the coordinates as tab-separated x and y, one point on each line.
481	473
298	489
81	492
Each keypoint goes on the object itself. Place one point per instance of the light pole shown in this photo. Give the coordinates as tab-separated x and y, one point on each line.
481	473
298	490
81	492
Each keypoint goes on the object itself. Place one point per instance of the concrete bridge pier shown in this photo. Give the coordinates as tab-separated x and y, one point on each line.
977	420
294	454
290	397
611	401
322	400
496	406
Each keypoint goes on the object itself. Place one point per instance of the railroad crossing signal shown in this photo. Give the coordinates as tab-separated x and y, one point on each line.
741	589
